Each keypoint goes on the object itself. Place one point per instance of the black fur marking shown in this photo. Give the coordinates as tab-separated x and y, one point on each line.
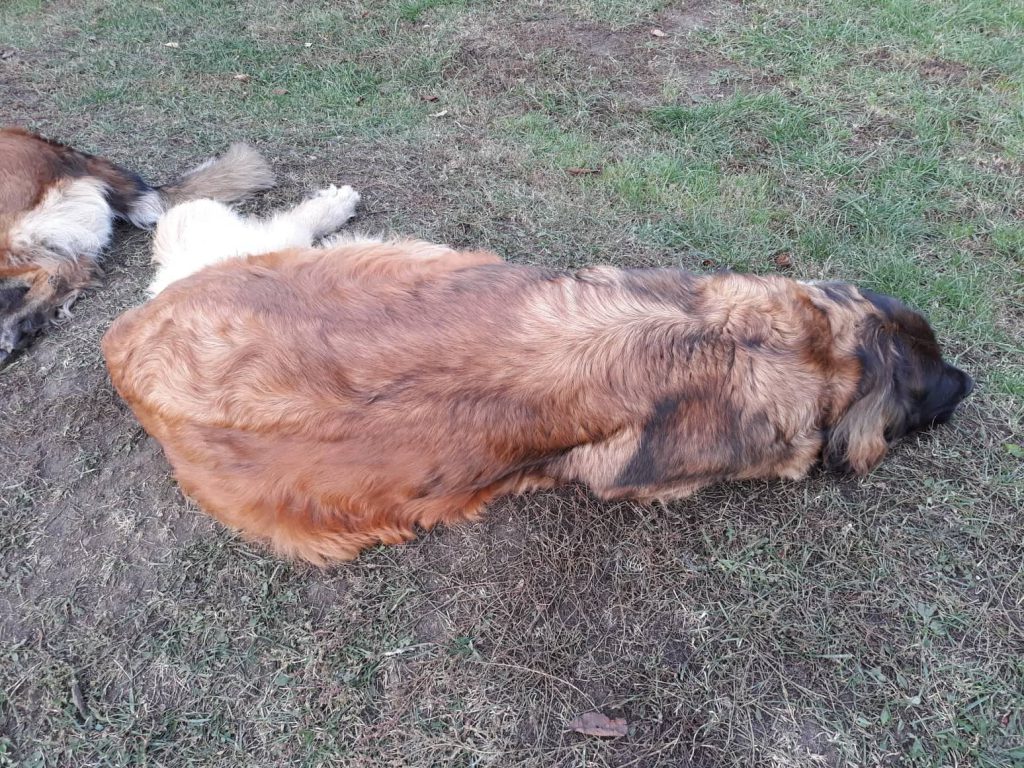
673	287
840	293
664	459
121	202
12	296
644	468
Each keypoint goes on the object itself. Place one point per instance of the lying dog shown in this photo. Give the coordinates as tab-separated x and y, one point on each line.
325	400
57	208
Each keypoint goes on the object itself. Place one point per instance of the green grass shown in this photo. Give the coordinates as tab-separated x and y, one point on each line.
828	622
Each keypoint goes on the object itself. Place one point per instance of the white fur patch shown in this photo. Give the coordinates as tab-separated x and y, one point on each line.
71	221
199	233
350	238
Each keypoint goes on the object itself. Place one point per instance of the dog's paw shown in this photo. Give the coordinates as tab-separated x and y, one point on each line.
340	195
329	209
64	310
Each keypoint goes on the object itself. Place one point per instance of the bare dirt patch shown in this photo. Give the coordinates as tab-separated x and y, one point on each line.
630	63
695	16
875	130
943	71
933	70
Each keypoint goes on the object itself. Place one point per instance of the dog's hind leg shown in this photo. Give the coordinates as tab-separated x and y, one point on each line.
327	211
197	234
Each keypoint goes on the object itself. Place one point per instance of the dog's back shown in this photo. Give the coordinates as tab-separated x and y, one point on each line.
30	165
281	390
26	169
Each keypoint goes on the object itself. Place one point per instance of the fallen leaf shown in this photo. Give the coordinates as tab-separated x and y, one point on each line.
596	724
429	97
783	260
708	263
4	55
309	45
1014	450
79	700
442	113
658	33
582	171
279	91
242	77
171	44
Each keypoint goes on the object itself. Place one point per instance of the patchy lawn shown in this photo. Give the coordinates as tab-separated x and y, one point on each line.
830	622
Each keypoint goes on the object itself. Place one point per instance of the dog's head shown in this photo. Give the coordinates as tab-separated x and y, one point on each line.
904	385
17	327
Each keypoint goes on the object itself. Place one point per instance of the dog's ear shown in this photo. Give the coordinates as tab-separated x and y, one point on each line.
858	441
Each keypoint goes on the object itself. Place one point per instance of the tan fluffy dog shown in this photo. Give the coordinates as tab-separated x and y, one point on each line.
324	400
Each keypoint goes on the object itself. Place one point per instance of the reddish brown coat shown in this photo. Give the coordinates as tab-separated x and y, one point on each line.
327	400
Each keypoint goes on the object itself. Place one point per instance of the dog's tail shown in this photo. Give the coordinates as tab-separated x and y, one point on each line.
239	172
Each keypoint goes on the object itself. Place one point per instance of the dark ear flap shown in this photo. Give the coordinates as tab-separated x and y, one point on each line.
858	443
859	440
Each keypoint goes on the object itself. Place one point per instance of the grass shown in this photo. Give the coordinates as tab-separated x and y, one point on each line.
828	622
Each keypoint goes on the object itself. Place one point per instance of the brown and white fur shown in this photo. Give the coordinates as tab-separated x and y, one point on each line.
323	400
57	209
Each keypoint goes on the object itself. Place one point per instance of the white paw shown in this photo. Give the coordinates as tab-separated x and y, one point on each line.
64	310
341	195
329	209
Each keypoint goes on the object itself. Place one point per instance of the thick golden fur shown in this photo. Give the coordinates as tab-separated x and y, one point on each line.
326	400
57	208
